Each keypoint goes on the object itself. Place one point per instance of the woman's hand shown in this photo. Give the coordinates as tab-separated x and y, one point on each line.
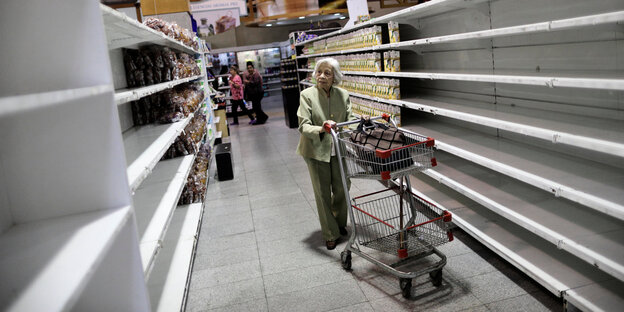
328	124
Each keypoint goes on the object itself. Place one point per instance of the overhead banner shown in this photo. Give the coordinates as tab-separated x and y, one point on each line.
268	8
210	5
217	16
216	21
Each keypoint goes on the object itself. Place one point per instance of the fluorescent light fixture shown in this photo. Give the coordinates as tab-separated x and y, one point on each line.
301	17
336	14
269	25
342	17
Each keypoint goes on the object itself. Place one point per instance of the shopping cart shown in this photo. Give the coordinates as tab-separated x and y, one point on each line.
394	221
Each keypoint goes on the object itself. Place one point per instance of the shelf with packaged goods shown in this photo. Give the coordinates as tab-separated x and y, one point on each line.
270	75
123	31
169	280
127	95
155	202
573	178
145	145
604	80
73	253
551	267
526	29
430	8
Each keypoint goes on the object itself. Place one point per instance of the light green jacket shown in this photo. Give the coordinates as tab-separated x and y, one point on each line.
314	109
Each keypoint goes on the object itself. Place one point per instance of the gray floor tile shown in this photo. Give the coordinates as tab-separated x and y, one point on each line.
281	217
305	228
208	245
303	278
232	219
270	191
322	298
220	230
493	286
259	305
360	307
225	295
524	303
468	265
288	245
278	200
225	274
225	257
296	260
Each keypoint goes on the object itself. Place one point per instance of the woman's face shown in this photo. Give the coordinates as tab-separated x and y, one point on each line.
232	72
325	76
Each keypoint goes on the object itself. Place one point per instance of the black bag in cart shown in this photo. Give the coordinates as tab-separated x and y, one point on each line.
381	148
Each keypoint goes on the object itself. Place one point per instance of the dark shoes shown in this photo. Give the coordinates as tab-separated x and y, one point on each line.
331	244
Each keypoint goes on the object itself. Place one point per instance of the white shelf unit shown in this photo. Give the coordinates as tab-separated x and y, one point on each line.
71	244
155	202
524	99
127	95
123	31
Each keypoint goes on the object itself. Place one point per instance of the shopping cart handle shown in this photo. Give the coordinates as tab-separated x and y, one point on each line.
386	117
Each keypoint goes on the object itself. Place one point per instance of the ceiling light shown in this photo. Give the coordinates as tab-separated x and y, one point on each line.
269	25
301	17
336	14
342	17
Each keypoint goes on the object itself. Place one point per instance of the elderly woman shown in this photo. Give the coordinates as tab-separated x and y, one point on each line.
325	104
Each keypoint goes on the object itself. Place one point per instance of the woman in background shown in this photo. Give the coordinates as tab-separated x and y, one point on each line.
236	90
254	92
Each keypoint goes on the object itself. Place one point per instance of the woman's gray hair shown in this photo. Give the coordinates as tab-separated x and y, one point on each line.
335	66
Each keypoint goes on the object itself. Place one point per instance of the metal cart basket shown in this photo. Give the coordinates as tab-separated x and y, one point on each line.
394	220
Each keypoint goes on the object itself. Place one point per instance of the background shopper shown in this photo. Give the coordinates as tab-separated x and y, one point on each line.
325	104
236	89
254	92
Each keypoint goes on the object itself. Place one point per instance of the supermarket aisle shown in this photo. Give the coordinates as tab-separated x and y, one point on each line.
261	249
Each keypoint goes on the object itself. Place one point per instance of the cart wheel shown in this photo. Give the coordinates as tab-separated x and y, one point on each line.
436	278
406	287
345	258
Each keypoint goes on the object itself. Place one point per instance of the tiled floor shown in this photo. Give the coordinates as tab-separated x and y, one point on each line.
261	249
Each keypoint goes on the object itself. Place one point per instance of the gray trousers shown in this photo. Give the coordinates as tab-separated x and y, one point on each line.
329	195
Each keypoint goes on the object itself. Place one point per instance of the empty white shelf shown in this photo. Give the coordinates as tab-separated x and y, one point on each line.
554	269
607	81
595	238
305	70
155	201
272	82
123	31
274	89
15	104
127	95
599	134
591	184
305	83
46	265
169	280
145	145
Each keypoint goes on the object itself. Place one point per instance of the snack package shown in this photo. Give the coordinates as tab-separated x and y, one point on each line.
393	31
